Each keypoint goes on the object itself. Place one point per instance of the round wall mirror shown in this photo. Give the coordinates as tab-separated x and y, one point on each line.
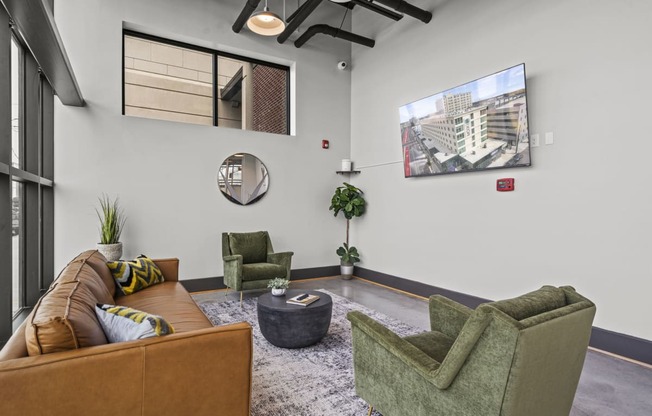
243	179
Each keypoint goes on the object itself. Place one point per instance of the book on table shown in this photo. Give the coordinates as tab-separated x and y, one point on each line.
304	299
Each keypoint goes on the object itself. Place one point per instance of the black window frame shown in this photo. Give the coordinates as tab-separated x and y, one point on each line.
36	176
215	53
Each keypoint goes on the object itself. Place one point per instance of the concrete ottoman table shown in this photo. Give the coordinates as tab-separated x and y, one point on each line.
294	326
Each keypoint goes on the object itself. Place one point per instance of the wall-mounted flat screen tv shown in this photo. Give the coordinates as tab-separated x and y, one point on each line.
480	125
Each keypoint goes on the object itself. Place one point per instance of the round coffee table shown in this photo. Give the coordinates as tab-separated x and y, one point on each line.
294	326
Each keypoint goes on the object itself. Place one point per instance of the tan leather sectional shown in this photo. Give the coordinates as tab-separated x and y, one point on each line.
60	363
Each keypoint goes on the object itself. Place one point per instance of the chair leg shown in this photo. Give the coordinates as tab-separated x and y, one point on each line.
241	298
371	409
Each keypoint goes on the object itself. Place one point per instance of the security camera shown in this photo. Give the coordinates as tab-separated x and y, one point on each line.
342	65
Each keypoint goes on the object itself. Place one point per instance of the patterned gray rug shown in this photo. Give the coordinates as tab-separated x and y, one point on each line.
316	380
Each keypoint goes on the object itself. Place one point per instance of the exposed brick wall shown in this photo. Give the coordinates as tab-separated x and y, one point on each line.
270	99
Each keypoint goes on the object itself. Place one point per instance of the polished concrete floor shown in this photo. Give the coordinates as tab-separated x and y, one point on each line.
406	308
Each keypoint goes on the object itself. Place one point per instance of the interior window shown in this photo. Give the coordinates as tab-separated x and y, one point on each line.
171	81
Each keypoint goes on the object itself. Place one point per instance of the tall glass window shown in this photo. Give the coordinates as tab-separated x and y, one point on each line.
16	81
26	179
16	250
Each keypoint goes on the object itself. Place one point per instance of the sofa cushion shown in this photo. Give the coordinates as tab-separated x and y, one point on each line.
97	261
171	301
81	271
64	318
134	275
260	271
251	246
534	303
121	323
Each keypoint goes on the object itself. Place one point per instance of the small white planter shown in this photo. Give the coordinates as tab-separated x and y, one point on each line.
112	252
278	292
346	271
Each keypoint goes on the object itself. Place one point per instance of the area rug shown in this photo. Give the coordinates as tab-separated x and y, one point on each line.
316	380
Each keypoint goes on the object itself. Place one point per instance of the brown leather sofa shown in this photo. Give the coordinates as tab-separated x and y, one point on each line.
57	363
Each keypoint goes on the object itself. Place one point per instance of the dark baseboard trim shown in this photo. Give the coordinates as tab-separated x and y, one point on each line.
315	272
217	283
624	345
204	284
417	288
638	349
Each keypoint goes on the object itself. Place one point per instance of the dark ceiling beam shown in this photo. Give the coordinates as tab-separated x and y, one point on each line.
367	4
248	9
406	8
349	5
307	8
334	32
34	21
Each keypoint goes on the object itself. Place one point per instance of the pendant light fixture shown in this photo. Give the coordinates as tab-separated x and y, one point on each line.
266	23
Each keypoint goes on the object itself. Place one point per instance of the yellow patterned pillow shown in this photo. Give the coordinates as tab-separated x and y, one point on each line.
121	323
135	275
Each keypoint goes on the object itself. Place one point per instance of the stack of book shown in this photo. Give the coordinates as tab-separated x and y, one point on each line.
303	299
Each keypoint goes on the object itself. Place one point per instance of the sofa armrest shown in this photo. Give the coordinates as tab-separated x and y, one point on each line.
155	376
169	268
397	346
447	316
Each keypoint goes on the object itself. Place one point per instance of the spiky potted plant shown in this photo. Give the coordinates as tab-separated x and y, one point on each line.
348	200
112	221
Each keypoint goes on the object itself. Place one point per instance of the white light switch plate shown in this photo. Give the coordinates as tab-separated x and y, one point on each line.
550	138
534	140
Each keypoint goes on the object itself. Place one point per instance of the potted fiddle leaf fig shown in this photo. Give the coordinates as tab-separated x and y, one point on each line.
112	221
348	257
349	201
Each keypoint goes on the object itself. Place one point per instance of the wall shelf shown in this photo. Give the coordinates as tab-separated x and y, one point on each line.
346	172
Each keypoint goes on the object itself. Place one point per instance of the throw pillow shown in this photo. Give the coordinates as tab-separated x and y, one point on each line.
135	275
121	323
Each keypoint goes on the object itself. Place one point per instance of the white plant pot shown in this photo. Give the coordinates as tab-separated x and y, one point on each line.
112	252
346	270
278	292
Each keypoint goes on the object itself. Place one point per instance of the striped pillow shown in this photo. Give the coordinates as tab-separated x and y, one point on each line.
121	323
135	275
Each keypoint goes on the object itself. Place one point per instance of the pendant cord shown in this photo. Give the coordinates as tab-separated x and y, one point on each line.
345	13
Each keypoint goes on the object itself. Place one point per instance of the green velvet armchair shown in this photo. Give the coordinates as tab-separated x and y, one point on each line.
516	357
250	261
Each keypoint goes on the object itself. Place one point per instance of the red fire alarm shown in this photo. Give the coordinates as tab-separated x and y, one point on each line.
325	144
505	184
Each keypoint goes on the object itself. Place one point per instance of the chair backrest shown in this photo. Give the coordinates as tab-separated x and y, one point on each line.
549	356
522	356
253	247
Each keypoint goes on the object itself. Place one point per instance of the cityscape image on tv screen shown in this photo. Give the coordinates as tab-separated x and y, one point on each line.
479	125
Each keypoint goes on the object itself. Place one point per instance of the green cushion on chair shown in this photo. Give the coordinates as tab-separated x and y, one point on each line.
433	343
251	246
258	271
534	303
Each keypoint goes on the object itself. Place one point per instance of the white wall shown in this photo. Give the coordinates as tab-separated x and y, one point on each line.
165	173
580	215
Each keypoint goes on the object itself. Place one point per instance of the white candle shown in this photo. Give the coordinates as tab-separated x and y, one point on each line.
346	165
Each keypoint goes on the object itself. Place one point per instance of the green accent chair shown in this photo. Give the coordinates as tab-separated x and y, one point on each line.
250	261
515	357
